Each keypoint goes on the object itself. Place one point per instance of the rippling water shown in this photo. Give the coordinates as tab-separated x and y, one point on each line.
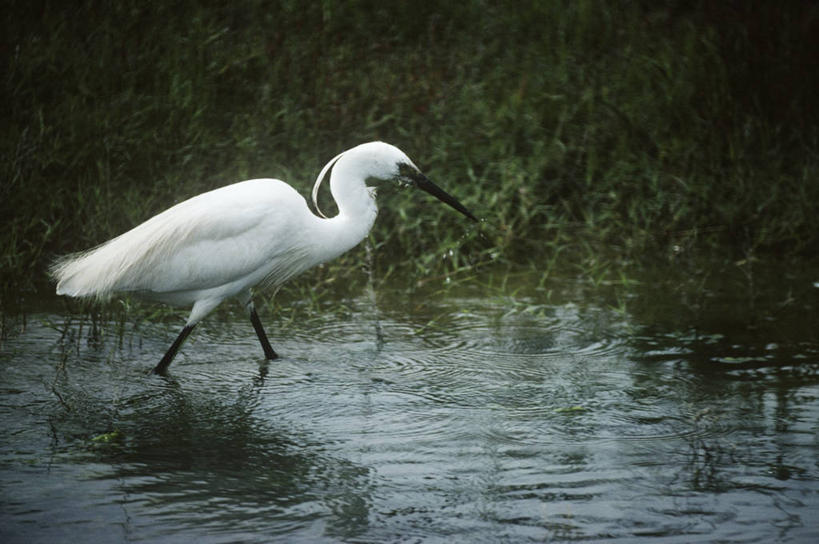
472	415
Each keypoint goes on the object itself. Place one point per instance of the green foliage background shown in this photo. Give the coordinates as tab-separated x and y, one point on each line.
634	127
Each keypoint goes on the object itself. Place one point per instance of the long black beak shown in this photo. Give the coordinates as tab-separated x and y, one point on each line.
423	183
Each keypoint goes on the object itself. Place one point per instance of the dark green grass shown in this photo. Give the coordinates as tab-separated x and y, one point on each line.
582	130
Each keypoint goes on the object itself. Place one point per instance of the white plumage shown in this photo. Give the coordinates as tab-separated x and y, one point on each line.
224	242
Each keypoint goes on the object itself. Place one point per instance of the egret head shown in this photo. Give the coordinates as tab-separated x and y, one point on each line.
379	161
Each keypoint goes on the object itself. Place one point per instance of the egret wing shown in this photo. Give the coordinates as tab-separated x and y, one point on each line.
202	243
229	236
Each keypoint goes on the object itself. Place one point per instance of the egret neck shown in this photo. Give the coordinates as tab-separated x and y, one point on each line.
356	209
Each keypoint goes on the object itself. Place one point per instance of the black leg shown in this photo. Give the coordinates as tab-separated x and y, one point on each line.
163	365
268	351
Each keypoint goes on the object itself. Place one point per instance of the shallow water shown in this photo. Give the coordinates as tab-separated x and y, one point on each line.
680	405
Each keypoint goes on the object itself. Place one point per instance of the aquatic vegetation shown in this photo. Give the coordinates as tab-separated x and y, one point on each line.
574	129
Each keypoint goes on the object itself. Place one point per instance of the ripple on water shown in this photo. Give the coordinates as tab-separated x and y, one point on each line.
380	426
527	379
565	332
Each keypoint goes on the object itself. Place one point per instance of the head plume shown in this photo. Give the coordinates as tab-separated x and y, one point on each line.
320	178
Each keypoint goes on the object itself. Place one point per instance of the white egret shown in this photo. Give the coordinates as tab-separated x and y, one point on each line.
225	242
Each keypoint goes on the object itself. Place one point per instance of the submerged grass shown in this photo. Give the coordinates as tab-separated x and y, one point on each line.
580	130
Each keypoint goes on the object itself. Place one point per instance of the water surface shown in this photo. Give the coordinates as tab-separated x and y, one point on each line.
681	404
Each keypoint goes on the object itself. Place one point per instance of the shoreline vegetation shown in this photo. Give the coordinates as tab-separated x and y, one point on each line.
584	130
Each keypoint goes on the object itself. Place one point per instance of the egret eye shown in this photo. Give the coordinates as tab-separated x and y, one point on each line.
407	175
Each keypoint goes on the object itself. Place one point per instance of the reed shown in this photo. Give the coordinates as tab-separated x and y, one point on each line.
573	127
